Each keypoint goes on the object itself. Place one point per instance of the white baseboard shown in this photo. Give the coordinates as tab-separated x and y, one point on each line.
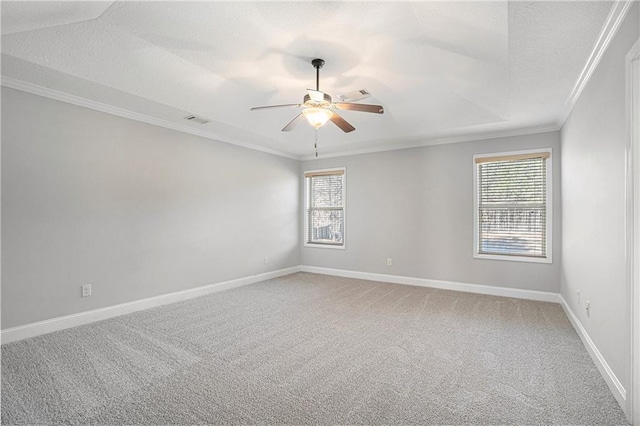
542	296
68	321
607	373
60	323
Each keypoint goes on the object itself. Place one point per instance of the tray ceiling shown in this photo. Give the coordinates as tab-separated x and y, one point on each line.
440	69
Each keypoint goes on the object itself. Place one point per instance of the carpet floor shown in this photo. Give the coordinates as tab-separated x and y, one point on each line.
313	349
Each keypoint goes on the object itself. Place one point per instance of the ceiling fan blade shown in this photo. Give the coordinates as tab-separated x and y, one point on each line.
293	123
377	109
354	96
275	106
342	123
315	95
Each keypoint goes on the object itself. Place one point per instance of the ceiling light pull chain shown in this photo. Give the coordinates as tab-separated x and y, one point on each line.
315	144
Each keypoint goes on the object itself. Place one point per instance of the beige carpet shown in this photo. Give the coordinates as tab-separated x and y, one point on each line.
313	349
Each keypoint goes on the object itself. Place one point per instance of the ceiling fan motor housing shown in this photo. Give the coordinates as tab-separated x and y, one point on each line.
312	103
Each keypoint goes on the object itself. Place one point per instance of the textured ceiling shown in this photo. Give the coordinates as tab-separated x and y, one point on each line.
439	68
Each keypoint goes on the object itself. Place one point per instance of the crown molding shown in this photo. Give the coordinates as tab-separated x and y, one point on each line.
612	24
609	29
35	89
132	115
497	134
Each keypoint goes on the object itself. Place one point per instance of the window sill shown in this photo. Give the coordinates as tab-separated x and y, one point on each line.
325	246
510	258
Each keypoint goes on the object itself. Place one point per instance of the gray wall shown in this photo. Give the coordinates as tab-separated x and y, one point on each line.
134	209
593	204
416	206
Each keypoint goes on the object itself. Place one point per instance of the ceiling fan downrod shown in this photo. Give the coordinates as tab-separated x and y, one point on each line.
317	64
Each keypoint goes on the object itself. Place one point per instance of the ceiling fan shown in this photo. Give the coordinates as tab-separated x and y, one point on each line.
318	107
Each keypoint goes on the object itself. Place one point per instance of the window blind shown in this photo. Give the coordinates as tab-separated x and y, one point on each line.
325	207
512	205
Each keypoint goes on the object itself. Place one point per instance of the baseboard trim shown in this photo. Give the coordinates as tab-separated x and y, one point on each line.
607	373
68	321
60	323
541	296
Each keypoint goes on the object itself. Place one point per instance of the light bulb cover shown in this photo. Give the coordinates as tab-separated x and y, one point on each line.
317	117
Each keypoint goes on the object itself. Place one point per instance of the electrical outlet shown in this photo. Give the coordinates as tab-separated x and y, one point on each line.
578	292
389	261
86	290
588	308
266	260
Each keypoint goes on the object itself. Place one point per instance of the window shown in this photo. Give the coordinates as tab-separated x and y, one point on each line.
513	206
324	210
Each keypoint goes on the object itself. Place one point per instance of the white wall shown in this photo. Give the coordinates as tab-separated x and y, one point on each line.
593	205
135	210
416	206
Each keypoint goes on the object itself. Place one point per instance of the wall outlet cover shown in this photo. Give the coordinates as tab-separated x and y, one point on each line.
86	290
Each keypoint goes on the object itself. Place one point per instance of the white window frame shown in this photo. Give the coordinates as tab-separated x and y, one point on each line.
549	210
305	217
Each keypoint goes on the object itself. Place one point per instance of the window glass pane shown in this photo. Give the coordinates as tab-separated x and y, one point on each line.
326	226
520	181
326	191
513	231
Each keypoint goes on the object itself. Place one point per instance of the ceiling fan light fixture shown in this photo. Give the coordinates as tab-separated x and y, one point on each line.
318	107
317	117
